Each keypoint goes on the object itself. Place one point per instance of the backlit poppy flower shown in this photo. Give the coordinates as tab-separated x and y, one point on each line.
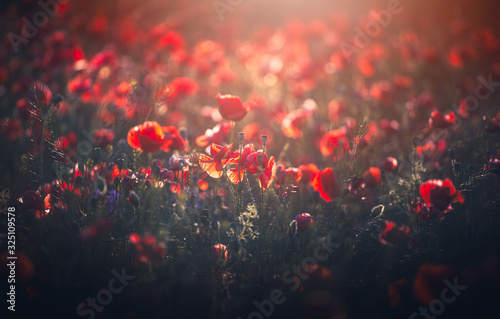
172	134
309	172
148	137
237	173
336	110
259	163
181	87
334	142
304	221
231	108
391	234
326	184
372	177
440	120
214	164
440	194
294	123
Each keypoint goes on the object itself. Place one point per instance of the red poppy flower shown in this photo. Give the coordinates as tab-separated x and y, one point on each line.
440	194
326	183
288	175
172	134
214	164
148	137
391	234
257	162
181	87
334	142
304	221
216	135
236	174
294	123
309	172
440	120
231	108
372	177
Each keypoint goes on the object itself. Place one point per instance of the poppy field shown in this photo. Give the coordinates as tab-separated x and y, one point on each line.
250	159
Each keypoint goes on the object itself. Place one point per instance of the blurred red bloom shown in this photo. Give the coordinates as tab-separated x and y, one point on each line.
216	135
177	142
96	230
440	194
334	142
372	177
148	137
294	123
327	185
440	120
391	234
214	164
288	175
103	138
181	87
309	172
147	248
231	108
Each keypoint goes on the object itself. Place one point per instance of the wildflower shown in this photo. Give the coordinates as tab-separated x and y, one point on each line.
326	183
219	252
237	173
334	142
150	137
260	163
440	194
372	177
214	164
440	120
231	108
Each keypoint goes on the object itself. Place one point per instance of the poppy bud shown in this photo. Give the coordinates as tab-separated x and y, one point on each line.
79	181
452	153
264	138
97	154
100	184
304	221
241	136
157	170
120	163
116	181
57	99
123	145
416	141
134	199
183	133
